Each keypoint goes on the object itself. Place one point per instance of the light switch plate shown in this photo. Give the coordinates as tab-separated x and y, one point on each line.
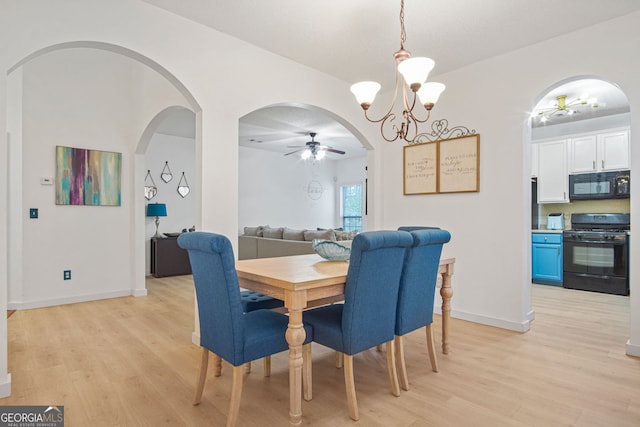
33	213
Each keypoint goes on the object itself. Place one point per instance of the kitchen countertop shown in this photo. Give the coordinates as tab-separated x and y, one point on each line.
547	231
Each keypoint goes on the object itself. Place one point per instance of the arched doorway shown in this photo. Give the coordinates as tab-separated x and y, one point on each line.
579	126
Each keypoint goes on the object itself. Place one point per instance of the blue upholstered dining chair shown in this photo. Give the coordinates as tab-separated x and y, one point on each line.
225	329
417	292
367	316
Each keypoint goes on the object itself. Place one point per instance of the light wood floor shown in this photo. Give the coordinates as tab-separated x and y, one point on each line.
130	362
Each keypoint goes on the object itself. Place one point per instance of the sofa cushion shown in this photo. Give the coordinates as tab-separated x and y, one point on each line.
253	231
310	235
272	233
291	234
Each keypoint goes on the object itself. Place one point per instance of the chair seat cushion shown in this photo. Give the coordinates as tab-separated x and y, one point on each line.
327	326
252	301
265	334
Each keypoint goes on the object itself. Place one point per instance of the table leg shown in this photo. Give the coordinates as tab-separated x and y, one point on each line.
446	292
295	337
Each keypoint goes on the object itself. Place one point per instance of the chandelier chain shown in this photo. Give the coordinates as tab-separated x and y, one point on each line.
403	33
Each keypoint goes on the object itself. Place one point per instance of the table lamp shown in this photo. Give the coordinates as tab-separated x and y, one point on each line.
157	210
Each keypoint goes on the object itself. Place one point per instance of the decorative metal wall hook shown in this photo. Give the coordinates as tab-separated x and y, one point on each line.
150	189
166	174
183	189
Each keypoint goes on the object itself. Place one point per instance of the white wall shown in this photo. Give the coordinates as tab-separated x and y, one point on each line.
289	192
180	153
80	101
285	191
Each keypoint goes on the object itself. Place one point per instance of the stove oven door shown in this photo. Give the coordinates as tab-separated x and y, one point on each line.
596	265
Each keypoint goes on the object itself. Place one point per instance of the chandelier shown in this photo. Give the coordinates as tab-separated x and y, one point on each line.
413	72
563	107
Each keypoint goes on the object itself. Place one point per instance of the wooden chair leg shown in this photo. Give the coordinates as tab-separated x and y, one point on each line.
350	385
402	374
247	368
267	366
202	375
431	347
307	374
391	367
338	360
217	364
236	394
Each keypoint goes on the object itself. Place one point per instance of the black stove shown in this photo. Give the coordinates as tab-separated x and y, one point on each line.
596	253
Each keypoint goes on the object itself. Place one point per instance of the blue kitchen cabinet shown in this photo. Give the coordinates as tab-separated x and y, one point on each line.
546	258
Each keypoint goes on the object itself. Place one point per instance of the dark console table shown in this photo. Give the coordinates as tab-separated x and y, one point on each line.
167	258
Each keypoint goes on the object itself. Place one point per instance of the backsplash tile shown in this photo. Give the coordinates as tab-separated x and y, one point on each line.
585	206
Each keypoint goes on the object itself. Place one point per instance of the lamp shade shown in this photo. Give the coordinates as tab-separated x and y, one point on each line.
156	209
430	92
365	92
416	70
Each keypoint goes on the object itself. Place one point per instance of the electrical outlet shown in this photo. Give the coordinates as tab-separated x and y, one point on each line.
33	213
67	275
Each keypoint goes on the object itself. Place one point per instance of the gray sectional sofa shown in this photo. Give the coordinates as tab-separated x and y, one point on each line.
267	242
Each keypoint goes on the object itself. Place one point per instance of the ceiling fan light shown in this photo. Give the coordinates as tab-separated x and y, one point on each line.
305	154
430	92
416	70
320	155
365	92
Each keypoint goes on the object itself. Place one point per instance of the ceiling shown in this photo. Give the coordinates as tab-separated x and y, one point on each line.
354	40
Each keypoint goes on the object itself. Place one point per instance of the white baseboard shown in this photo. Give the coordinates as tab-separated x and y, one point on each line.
491	321
25	305
632	349
139	293
5	387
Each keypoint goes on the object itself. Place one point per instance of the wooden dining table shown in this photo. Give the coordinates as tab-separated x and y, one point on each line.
303	281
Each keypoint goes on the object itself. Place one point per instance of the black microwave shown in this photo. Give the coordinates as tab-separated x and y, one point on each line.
601	185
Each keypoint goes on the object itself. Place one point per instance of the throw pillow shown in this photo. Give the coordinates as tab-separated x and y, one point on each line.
346	235
291	234
310	235
272	233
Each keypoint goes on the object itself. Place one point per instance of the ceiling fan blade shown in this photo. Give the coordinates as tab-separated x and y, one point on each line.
333	150
295	151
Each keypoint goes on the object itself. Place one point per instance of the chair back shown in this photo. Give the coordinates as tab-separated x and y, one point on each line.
217	293
371	289
418	280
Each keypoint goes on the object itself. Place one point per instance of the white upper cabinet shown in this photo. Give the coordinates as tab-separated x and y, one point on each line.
553	179
600	152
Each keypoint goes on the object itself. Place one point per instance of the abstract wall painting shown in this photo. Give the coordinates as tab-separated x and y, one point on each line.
87	177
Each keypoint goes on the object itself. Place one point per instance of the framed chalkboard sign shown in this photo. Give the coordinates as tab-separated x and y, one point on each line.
443	166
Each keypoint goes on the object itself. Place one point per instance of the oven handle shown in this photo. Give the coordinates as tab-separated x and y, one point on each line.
598	242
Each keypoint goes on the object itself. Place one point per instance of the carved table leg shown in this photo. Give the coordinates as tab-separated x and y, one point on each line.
446	292
295	337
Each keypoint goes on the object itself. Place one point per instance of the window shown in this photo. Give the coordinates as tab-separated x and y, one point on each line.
351	207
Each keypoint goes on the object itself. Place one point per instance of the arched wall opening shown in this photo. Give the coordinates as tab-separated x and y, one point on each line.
132	214
292	192
586	121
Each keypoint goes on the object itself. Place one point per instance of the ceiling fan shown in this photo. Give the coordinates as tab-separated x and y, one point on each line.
313	148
